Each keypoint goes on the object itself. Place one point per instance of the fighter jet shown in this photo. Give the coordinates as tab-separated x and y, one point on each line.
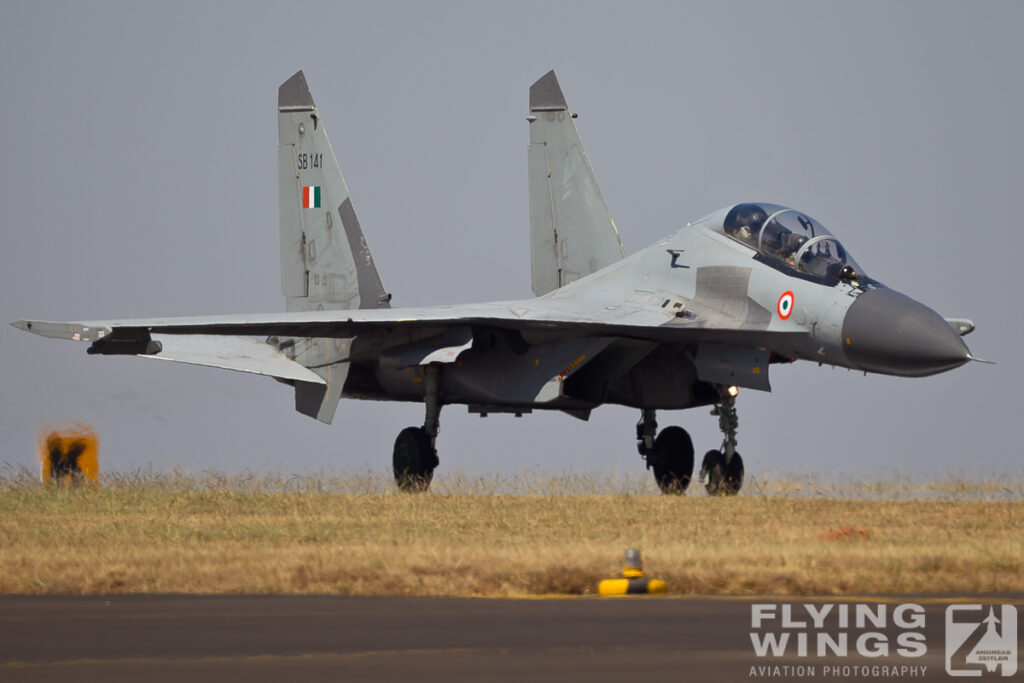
684	323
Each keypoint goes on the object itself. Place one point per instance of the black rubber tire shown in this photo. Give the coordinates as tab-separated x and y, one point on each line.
672	460
413	460
720	480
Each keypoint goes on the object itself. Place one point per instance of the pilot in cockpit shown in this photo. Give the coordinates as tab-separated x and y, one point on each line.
745	221
782	242
783	235
791	243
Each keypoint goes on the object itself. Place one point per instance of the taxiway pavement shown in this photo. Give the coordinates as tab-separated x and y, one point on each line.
299	638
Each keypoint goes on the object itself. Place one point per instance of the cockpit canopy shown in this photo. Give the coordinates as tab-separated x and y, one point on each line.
789	237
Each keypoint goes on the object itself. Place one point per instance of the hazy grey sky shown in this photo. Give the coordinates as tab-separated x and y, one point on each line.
138	178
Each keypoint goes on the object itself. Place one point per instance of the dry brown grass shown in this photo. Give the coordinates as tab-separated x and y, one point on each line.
353	535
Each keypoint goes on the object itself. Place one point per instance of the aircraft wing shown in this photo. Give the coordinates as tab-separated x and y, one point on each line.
135	336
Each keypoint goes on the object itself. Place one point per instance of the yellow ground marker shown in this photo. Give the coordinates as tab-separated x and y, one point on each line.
632	581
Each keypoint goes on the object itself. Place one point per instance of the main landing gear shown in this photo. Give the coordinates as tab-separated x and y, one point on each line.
670	453
415	456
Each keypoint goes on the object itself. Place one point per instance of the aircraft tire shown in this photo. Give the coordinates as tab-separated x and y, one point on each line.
720	480
413	460
673	460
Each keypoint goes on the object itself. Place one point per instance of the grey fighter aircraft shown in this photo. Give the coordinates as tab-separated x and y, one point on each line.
684	323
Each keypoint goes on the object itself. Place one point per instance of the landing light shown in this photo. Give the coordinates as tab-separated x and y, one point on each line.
733	391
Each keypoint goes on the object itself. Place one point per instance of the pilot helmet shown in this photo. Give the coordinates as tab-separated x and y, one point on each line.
750	216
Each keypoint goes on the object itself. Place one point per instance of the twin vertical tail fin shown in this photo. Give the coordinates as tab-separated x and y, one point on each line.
571	232
325	261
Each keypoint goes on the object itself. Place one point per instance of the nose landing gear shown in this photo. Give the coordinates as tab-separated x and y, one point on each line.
722	471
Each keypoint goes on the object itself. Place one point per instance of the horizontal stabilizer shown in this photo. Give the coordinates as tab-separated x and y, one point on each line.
243	354
230	352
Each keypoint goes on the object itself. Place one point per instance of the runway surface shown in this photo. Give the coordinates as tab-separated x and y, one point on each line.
300	638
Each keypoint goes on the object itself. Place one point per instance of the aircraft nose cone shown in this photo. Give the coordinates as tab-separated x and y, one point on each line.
888	332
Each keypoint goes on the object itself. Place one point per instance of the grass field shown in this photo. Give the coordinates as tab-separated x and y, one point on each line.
530	535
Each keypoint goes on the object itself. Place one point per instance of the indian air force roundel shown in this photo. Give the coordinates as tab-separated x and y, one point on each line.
785	306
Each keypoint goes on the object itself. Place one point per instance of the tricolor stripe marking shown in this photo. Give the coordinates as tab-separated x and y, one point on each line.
311	197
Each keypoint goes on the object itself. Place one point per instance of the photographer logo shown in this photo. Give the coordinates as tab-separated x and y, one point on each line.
981	640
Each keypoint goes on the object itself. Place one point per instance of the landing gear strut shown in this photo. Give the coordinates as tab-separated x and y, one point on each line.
721	472
670	454
415	455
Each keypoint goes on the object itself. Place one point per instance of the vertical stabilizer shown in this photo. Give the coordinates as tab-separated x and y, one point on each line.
325	261
571	232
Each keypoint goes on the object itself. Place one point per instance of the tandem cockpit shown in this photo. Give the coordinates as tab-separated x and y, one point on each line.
787	238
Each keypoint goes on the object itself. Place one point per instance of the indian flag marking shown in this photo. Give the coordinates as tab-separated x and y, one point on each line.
785	306
311	197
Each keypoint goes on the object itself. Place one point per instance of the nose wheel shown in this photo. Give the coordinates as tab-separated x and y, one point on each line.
721	477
